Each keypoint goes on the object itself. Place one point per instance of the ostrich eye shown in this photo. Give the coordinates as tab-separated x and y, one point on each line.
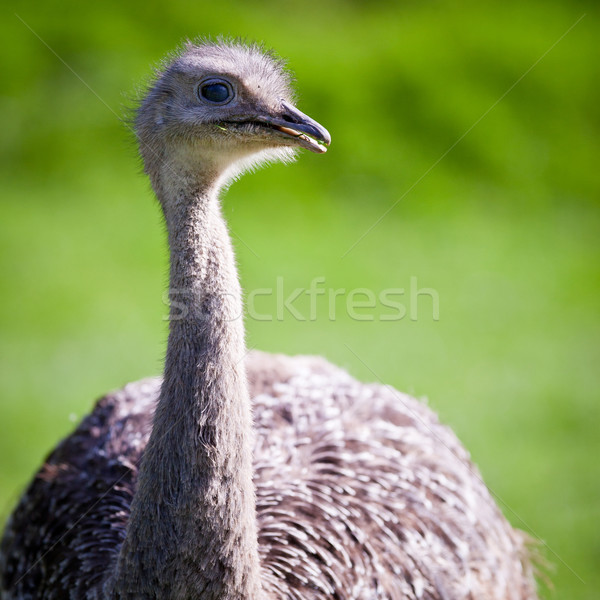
217	92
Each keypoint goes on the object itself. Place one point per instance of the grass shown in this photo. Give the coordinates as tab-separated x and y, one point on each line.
504	227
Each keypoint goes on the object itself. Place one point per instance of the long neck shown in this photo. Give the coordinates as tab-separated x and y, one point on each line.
192	530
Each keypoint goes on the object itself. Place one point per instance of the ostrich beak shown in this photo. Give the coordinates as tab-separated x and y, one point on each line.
293	123
288	122
307	131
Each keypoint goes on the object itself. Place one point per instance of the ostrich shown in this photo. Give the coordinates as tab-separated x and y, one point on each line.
242	476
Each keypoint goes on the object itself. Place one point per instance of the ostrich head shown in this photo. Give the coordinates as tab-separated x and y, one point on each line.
220	108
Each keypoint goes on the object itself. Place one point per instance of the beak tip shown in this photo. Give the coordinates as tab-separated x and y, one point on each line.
302	122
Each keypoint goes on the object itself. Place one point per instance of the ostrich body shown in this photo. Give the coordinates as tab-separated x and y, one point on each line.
249	476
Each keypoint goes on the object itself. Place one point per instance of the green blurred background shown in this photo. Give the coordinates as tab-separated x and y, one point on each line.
473	127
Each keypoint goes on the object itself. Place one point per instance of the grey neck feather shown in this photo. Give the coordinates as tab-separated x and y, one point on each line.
192	530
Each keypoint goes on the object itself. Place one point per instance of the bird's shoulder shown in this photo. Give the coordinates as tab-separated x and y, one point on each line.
77	505
304	396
